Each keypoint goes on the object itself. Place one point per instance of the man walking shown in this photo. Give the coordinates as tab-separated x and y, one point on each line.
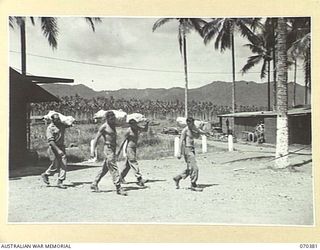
132	136
188	134
56	151
109	134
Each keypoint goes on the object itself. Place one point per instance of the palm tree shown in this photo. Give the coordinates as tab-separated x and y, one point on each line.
223	29
282	146
185	26
299	41
262	49
49	27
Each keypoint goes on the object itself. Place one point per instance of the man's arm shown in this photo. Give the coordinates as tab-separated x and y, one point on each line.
182	139
96	138
126	135
145	128
55	148
52	143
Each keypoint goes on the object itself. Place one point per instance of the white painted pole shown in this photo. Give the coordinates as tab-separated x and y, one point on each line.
204	144
230	142
176	146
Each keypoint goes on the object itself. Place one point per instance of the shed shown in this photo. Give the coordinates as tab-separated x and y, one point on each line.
22	91
299	123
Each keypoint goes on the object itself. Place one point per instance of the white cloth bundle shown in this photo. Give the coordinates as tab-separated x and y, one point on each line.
137	117
67	120
121	116
182	122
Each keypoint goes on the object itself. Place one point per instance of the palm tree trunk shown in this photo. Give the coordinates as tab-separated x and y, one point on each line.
294	83
24	72
185	75
269	107
233	76
282	147
274	67
307	78
23	46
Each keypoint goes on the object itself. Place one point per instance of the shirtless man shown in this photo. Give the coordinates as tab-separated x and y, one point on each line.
109	134
188	134
132	136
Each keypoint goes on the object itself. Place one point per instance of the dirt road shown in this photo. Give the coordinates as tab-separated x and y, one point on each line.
238	188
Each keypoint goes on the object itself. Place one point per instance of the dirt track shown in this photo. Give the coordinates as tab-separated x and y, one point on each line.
239	188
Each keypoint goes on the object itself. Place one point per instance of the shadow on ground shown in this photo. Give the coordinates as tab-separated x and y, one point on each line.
203	186
249	158
38	169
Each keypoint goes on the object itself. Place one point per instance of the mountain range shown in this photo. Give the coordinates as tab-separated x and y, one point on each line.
218	92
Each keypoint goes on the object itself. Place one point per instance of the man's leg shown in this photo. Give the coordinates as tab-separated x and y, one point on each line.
52	169
185	173
102	172
194	171
133	164
124	171
62	169
113	168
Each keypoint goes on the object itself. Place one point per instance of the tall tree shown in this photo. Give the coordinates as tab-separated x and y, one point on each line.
223	31
299	43
282	146
262	50
49	28
185	26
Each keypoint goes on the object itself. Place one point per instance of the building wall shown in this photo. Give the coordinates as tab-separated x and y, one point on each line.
223	124
245	124
270	129
18	140
300	129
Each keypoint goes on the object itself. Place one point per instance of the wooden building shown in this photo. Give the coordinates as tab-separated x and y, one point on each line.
24	90
299	123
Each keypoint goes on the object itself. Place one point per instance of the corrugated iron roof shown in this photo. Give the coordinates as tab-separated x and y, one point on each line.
291	112
28	85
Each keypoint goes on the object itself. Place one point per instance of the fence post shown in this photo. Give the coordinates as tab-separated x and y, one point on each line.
230	142
204	144
176	146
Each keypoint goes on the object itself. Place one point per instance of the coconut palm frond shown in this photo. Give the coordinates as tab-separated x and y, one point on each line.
225	41
32	20
252	61
197	24
180	38
11	22
209	34
19	20
263	69
160	22
255	23
248	33
211	29
255	48
92	21
49	28
301	46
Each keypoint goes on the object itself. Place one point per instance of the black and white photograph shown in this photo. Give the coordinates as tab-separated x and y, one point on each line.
193	120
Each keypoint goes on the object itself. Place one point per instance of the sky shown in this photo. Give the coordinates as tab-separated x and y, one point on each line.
127	54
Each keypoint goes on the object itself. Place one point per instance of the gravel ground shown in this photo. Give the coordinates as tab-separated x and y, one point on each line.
239	188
